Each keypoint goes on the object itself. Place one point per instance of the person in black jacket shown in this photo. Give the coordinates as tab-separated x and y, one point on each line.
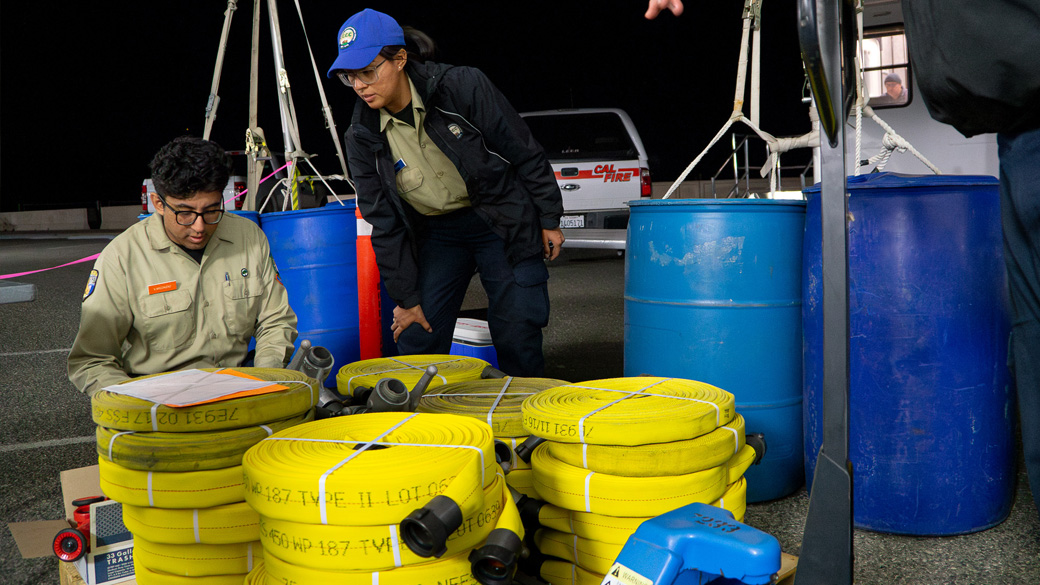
452	181
976	67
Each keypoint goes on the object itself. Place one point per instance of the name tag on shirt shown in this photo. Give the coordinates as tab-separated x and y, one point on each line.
162	287
399	165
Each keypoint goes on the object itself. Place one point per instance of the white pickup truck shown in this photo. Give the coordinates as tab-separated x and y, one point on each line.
599	162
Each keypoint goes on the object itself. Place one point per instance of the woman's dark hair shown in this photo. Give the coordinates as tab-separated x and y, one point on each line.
418	44
189	165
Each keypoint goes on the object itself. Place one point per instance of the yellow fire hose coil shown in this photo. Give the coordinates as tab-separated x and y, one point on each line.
230	523
627	411
376	548
368	469
126	413
496	401
258	576
591	555
174	452
197	560
145	576
574	488
735	499
564	573
522	480
598	555
408	369
612	529
674	458
617	529
188	489
455	569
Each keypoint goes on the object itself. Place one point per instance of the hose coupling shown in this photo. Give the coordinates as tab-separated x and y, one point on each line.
389	395
504	456
425	531
491	372
495	562
526	449
758	443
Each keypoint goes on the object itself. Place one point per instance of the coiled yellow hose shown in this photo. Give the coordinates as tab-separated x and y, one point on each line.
378	548
617	529
574	488
126	413
564	573
495	401
230	523
455	569
582	547
197	560
408	369
674	458
627	411
176	452
323	473
186	489
145	576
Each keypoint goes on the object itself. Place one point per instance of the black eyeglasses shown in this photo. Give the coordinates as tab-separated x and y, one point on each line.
188	217
366	76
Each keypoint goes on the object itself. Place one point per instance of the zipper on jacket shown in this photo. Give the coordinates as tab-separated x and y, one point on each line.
477	130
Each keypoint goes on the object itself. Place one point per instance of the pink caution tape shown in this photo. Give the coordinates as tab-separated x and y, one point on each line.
16	274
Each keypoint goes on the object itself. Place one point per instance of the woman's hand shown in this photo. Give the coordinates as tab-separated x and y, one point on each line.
403	318
656	6
551	242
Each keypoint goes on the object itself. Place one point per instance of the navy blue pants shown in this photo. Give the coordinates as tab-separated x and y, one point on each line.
458	244
1020	216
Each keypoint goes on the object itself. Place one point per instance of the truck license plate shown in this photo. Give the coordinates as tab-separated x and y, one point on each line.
572	221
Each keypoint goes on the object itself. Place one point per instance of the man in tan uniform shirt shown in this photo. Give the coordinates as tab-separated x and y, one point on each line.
186	288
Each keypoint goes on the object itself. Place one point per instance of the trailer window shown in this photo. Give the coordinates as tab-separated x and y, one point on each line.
886	67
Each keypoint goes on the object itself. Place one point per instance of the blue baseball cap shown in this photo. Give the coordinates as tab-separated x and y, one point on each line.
361	38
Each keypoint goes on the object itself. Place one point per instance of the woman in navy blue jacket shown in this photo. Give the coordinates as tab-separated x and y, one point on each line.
452	182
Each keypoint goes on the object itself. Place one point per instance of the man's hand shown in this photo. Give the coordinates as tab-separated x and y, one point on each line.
656	6
403	318
551	242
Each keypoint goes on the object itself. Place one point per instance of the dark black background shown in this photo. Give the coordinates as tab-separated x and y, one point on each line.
90	90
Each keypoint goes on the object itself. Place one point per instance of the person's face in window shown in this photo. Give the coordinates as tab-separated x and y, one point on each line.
894	89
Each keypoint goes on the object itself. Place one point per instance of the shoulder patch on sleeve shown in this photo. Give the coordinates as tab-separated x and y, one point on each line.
91	283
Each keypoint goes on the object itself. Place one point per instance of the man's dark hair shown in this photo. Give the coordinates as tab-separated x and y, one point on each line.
189	165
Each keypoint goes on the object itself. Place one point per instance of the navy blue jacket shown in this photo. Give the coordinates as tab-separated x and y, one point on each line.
510	182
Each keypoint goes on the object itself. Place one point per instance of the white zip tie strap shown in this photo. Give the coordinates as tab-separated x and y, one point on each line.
494	405
112	441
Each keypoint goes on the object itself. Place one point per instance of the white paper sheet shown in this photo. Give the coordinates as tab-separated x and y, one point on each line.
186	387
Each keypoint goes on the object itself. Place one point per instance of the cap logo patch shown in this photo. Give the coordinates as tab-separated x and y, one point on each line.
348	36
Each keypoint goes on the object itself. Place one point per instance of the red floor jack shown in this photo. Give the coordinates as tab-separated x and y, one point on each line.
70	544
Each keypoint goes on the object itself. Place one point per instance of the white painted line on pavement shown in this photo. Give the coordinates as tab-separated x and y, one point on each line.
66	350
51	443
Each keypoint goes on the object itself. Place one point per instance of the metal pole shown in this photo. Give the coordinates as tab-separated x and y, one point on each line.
214	99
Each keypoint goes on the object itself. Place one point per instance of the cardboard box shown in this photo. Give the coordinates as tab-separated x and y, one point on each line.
110	559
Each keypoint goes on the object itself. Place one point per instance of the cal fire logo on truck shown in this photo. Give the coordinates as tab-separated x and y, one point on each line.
605	172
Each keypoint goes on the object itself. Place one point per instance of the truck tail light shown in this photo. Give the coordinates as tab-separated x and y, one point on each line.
239	200
144	199
646	187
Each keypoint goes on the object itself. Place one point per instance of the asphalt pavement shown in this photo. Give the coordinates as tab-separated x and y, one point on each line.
46	424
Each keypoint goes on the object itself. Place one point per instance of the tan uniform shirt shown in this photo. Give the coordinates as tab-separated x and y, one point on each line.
150	308
426	178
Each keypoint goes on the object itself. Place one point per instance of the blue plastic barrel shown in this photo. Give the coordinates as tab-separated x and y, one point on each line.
316	254
713	293
930	411
253	216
